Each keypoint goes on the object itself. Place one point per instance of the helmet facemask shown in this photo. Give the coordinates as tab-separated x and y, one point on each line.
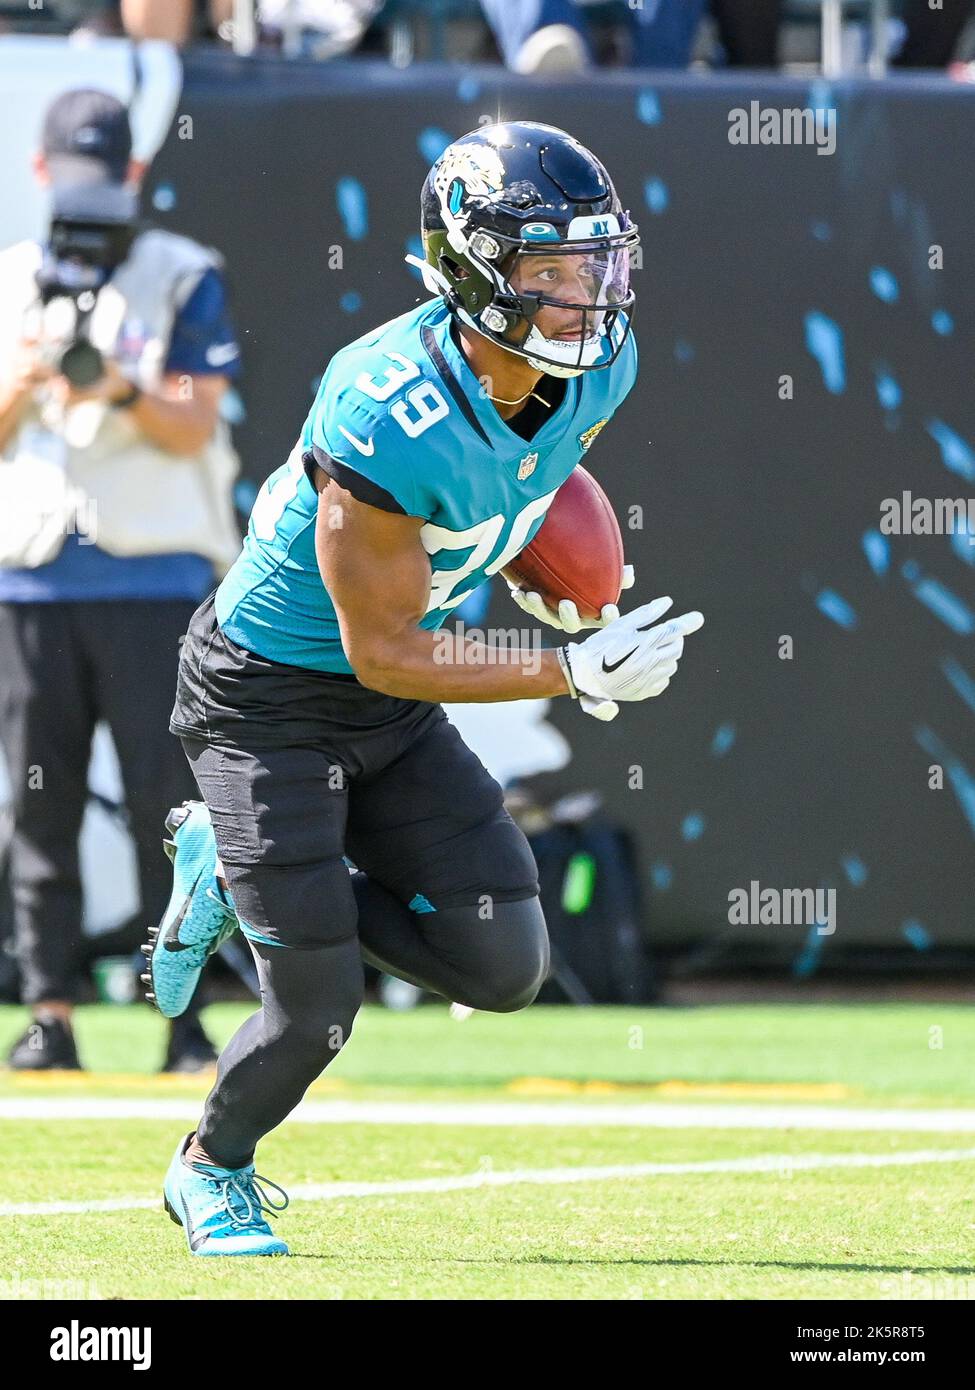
555	303
560	304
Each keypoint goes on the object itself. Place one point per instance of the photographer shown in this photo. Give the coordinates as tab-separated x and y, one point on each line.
116	518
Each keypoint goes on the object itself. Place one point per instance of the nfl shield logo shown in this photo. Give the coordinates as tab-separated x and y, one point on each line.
527	467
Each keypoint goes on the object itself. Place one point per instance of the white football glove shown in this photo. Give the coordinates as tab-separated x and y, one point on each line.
631	659
567	618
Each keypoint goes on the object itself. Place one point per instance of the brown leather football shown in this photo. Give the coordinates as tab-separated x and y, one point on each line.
577	552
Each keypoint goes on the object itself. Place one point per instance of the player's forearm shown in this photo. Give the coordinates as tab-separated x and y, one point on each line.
14	400
441	667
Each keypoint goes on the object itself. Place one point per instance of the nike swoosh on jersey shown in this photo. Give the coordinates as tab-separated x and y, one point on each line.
616	664
367	448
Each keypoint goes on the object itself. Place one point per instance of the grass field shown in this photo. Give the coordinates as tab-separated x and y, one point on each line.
718	1153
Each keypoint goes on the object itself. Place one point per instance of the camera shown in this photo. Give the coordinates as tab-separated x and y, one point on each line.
80	257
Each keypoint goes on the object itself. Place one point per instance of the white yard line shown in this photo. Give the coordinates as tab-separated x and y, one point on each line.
504	1114
783	1164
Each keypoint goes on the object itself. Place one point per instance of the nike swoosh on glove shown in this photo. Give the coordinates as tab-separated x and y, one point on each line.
568	618
632	658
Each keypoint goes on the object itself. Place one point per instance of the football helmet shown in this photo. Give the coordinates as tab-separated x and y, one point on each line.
522	229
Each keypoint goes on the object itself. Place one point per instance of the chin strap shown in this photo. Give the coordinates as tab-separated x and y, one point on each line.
433	279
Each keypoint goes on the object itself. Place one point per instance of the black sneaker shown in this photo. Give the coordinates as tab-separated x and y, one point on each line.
47	1045
189	1049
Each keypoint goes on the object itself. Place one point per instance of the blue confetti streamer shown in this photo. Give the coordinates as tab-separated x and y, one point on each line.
855	870
829	602
958	677
656	196
956	453
942	322
822	231
824	342
884	284
962	781
820	94
648	107
876	547
245	494
962	542
431	142
684	351
952	611
917	934
350	197
692	826
468	88
807	961
724	739
351	301
888	392
661	875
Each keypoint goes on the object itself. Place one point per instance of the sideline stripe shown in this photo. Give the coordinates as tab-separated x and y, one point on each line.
503	1114
785	1164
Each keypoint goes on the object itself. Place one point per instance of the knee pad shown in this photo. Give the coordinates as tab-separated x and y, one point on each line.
302	906
512	963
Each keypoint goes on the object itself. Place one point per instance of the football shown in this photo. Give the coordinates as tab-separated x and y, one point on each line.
577	552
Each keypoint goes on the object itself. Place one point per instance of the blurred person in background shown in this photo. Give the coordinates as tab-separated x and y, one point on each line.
304	28
932	34
116	518
536	36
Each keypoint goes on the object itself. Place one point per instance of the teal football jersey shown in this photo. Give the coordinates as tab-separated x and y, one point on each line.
400	419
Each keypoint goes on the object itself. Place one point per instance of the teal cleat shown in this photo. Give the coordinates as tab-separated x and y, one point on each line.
198	918
221	1209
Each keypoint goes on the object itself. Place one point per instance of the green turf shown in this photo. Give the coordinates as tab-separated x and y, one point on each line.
883	1052
898	1232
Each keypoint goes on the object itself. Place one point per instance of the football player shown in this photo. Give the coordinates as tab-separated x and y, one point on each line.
309	689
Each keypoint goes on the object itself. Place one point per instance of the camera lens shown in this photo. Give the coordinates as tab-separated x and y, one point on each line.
82	363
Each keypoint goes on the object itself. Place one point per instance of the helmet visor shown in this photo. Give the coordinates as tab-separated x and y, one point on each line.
593	279
574	288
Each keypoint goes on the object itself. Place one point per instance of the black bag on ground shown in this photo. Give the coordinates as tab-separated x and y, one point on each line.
590	892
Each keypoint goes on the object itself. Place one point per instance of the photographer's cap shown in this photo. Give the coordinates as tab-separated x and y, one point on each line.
87	145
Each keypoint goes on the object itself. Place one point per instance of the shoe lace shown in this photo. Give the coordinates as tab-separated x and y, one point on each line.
246	1201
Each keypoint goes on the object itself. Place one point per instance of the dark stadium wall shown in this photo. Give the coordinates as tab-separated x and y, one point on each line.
760	263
